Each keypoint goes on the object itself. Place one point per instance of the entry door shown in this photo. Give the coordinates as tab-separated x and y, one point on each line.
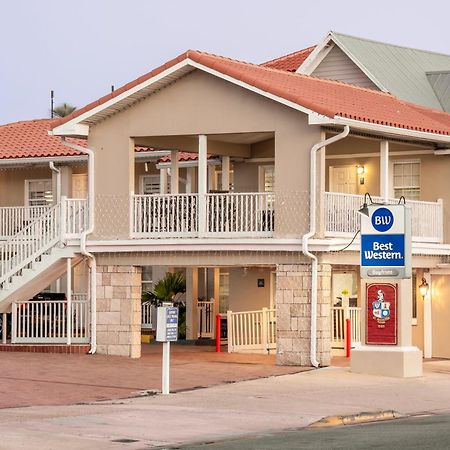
343	179
79	185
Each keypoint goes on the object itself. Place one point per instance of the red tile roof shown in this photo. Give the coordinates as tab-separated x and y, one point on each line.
291	62
326	97
29	139
183	156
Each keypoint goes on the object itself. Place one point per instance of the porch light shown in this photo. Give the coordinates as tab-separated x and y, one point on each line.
424	288
361	170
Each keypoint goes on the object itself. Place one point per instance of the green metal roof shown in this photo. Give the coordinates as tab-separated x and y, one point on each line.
404	72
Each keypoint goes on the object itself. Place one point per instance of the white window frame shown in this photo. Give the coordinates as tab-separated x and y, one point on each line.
27	189
391	174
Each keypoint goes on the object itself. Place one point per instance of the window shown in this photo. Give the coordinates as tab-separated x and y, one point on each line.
266	178
147	279
150	184
407	179
38	192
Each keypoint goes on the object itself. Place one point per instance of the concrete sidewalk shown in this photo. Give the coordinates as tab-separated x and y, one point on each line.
269	404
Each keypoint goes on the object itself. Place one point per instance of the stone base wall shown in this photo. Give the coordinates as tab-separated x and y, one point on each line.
119	310
293	309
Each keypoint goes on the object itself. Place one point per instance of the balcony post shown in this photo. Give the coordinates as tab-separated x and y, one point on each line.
174	172
225	173
163	181
202	182
69	301
384	170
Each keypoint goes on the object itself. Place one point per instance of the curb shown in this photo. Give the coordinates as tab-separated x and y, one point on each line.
354	419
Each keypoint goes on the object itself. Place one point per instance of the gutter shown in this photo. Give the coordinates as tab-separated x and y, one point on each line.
90	229
311	233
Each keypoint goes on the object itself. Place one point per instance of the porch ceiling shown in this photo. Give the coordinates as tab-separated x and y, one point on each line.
229	144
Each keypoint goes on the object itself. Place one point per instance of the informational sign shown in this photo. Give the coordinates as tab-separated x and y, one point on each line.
381	314
167	324
386	242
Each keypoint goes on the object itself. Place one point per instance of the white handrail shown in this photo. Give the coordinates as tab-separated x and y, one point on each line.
30	243
341	217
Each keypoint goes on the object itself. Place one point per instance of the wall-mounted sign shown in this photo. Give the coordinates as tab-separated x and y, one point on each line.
386	242
381	314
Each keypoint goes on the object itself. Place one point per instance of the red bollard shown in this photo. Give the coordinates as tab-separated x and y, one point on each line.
348	338
218	319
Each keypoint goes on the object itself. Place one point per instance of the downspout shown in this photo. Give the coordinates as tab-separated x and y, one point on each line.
311	233
58	181
84	234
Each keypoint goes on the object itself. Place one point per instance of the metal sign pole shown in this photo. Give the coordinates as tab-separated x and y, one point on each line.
166	368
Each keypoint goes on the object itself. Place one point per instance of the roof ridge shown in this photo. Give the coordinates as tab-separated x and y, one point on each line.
335	33
280	58
20	122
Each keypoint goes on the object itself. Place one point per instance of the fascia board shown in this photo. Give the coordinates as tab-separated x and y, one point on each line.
316	57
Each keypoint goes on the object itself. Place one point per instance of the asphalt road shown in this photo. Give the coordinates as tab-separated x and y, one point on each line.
428	432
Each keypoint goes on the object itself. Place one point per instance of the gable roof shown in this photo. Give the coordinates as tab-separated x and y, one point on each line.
290	62
30	139
392	68
311	95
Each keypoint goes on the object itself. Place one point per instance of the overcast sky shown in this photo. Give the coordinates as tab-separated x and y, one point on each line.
79	48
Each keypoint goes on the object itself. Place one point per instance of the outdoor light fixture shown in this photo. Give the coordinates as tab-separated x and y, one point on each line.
361	170
364	210
423	288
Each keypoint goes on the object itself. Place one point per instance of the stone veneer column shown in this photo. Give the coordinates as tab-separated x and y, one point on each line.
293	309
119	310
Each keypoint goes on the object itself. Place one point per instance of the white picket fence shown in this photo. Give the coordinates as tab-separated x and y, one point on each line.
339	314
148	315
205	317
42	321
252	331
342	218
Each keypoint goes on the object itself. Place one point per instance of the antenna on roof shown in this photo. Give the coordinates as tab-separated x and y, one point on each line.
52	95
112	88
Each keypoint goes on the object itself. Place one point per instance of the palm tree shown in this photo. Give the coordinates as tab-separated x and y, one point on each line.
64	109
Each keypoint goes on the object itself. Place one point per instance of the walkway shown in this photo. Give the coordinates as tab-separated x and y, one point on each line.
56	379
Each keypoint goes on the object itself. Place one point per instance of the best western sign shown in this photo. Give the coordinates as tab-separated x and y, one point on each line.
386	242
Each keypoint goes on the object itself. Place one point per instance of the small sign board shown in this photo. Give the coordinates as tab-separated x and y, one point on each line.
381	314
167	324
386	242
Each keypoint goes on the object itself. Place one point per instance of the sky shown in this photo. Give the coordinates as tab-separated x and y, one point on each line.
79	48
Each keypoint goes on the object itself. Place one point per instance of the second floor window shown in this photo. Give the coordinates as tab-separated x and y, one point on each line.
38	192
406	179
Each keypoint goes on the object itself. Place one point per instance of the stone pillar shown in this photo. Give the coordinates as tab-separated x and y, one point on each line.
293	309
119	310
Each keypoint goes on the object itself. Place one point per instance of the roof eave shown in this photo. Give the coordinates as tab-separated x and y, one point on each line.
383	130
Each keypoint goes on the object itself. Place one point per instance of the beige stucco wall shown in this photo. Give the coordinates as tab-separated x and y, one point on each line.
201	104
245	295
441	315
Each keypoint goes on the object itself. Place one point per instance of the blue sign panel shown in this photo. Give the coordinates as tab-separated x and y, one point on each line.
382	220
383	250
172	324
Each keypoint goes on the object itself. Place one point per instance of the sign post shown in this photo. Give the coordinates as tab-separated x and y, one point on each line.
386	290
166	332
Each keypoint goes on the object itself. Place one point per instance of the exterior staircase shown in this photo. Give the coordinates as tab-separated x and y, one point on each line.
37	254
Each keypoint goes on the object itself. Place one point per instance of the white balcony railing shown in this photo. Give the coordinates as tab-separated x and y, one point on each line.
342	219
226	214
14	218
76	213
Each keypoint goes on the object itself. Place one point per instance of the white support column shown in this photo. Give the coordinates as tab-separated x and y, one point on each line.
427	320
225	173
190	176
211	178
384	170
174	172
4	328
202	182
69	301
163	181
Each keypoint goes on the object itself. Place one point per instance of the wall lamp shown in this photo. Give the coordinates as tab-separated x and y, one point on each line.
361	171
424	287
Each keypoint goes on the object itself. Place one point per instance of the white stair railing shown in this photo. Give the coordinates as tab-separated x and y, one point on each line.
14	218
45	321
29	244
252	331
